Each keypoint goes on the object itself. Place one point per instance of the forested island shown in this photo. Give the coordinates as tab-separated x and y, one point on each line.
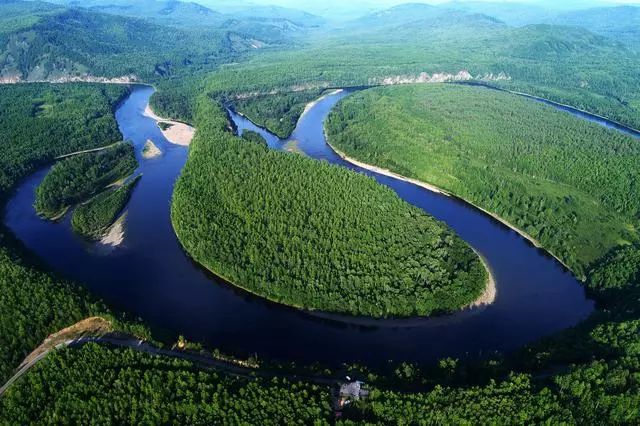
314	236
93	218
78	178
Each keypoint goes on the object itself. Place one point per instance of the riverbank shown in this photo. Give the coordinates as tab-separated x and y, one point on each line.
115	235
175	132
441	191
311	104
490	292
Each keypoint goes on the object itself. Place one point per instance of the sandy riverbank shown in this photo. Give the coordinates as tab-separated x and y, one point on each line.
177	133
490	292
115	235
310	105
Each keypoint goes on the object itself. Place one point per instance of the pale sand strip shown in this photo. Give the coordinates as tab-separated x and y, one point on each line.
179	133
115	235
150	150
490	292
310	105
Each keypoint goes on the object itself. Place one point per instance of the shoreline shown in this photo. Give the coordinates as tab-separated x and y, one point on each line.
311	104
488	296
114	236
441	191
178	134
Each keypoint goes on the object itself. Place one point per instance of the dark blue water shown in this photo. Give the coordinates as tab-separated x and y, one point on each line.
151	276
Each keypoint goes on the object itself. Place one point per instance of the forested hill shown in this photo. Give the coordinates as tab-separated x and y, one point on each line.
621	23
417	14
168	12
40	41
566	64
192	14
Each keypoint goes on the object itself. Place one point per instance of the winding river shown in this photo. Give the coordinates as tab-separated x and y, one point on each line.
150	275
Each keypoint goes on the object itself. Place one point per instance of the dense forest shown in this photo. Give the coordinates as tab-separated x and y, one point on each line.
278	113
254	137
93	218
312	235
571	184
41	41
566	64
98	385
37	123
41	122
127	387
77	178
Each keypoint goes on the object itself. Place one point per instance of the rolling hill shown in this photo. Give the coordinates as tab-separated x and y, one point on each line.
620	23
40	41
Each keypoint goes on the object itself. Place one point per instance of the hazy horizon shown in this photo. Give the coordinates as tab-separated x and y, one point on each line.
338	8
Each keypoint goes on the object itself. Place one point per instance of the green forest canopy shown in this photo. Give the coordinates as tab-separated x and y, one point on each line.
37	123
98	384
78	178
312	235
93	218
571	184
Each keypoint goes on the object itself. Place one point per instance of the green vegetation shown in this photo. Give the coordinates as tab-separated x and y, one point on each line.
278	113
95	217
97	385
39	41
570	184
595	393
576	193
568	65
127	387
37	123
77	178
254	137
617	276
164	126
312	235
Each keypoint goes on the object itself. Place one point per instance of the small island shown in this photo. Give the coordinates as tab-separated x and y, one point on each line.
76	179
150	150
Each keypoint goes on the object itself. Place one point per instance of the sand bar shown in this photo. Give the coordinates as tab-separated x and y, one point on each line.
177	133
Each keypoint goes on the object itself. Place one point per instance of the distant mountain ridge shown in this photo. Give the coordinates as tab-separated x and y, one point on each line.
41	41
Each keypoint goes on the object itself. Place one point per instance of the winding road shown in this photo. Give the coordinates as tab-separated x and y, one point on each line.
202	361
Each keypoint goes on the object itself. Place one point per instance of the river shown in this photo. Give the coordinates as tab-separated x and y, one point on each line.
152	277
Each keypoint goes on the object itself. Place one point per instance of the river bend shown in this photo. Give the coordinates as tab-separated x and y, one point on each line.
152	277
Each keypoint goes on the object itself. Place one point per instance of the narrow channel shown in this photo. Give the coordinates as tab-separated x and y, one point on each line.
151	276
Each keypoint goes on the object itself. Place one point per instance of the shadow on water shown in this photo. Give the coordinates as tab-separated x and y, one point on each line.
152	277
